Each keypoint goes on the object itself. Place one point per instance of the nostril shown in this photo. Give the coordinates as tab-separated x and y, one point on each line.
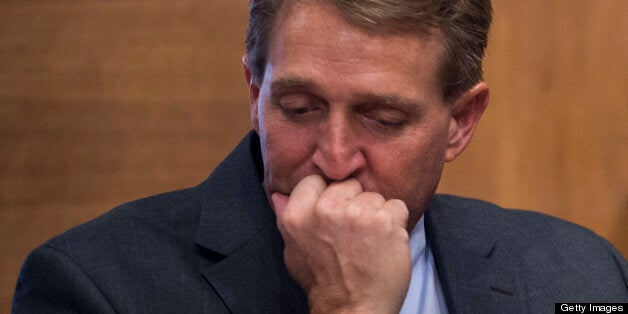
337	162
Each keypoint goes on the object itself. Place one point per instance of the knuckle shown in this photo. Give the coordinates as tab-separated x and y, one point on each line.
291	221
354	183
326	205
353	211
373	198
383	218
396	203
312	183
316	180
398	207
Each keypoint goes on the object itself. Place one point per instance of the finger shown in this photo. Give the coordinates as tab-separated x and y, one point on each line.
295	210
304	195
279	202
340	192
398	211
369	200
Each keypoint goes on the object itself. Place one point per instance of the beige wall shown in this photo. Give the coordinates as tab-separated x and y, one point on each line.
103	102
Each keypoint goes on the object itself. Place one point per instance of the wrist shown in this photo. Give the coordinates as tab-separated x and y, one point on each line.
348	307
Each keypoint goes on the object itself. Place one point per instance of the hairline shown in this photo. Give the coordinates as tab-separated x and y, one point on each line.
458	66
431	32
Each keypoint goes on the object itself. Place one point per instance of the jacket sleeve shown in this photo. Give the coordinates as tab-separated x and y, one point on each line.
621	263
50	282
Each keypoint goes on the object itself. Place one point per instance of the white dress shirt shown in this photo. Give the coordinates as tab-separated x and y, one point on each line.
425	294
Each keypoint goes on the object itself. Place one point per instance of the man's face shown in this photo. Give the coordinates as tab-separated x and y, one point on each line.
342	103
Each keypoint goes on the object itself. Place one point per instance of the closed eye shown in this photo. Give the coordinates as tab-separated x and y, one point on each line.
389	123
298	107
295	111
387	120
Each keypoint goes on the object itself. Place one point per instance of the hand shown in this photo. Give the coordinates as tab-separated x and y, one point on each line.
348	249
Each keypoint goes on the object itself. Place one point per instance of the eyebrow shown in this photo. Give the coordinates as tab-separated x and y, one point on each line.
288	84
390	100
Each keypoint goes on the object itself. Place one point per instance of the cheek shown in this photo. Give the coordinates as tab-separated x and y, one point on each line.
286	151
410	171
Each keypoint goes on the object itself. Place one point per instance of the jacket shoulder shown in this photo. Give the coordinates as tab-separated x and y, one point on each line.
551	252
120	260
519	222
165	214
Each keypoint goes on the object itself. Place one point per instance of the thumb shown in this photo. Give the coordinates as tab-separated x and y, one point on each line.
304	195
279	202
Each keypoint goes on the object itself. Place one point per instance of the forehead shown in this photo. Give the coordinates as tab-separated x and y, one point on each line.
295	14
311	37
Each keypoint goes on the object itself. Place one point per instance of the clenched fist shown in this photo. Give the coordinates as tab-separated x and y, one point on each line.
348	249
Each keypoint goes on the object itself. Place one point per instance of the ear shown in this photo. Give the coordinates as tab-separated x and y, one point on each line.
466	112
253	93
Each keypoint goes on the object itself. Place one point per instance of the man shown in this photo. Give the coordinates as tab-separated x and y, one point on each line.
329	205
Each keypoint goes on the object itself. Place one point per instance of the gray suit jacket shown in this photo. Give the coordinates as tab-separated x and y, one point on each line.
215	248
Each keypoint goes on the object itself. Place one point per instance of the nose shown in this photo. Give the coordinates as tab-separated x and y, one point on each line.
338	154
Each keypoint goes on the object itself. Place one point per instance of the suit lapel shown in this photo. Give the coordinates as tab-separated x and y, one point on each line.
244	250
476	274
254	279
